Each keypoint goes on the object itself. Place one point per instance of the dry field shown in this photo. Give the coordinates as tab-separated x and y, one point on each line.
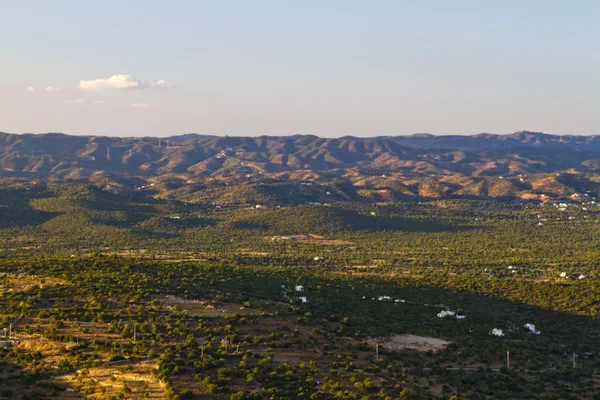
204	308
410	342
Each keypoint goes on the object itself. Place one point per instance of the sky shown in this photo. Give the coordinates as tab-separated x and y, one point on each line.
329	68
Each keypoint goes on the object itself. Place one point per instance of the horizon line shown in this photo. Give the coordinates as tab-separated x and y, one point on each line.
416	134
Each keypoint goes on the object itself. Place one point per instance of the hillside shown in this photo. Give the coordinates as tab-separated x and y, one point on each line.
266	169
109	295
128	294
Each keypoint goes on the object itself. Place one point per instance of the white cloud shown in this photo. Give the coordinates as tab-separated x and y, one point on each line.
52	89
140	105
161	85
30	89
98	102
122	81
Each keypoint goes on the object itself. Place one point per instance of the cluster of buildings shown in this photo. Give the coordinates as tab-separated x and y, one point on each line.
450	313
297	289
385	298
564	275
530	327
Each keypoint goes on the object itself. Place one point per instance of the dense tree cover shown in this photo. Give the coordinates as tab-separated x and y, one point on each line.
202	298
338	319
462	236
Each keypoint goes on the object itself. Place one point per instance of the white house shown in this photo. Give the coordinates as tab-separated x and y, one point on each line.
444	314
532	329
497	332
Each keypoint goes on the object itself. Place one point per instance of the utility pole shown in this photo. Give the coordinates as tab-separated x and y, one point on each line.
129	152
10	330
507	359
108	152
574	360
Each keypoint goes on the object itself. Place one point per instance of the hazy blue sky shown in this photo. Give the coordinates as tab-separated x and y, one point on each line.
325	67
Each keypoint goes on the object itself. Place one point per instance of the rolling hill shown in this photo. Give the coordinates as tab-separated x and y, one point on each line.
208	168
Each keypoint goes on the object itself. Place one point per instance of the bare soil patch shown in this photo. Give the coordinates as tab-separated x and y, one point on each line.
205	308
106	381
23	282
410	342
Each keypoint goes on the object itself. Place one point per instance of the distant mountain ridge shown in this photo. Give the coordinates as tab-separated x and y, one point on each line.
276	169
56	155
376	167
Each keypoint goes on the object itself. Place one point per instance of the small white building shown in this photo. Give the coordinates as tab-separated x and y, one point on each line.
299	288
444	314
303	299
497	332
532	329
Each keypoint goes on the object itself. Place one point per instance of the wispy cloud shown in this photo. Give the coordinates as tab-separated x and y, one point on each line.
52	89
122	82
97	102
140	105
30	89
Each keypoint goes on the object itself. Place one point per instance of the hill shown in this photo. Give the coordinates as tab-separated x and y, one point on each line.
197	167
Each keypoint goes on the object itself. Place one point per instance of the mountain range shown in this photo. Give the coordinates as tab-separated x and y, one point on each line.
527	165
